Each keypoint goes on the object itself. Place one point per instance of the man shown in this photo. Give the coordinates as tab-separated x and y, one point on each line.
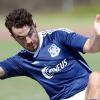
52	58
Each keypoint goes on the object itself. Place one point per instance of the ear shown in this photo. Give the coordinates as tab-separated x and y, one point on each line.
11	34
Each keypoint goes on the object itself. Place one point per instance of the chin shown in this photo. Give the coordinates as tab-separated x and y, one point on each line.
32	49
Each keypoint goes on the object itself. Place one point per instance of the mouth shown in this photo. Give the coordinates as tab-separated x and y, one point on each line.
32	48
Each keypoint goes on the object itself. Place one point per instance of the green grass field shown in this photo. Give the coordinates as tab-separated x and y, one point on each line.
23	88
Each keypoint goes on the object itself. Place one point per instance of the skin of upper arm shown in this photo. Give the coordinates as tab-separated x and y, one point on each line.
90	46
2	72
86	46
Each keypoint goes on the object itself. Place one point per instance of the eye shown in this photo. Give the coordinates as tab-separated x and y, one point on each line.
31	31
30	34
20	38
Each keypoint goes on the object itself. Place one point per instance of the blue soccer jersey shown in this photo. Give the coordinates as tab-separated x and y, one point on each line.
57	64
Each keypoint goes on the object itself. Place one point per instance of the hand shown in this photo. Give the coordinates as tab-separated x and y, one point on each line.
97	24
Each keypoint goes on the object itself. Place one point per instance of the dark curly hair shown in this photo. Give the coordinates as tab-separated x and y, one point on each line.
18	18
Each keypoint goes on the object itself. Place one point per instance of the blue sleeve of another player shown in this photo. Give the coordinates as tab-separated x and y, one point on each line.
11	68
73	40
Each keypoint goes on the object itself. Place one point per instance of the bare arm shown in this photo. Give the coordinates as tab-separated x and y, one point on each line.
92	45
1	72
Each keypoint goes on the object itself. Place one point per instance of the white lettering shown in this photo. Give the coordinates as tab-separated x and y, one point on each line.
49	72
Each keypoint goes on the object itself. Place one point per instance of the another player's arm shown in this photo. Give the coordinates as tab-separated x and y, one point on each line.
2	72
92	44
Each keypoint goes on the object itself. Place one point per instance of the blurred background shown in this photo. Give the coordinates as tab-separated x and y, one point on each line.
77	15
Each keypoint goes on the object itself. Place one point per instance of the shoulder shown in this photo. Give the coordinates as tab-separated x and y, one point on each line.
55	31
25	53
58	34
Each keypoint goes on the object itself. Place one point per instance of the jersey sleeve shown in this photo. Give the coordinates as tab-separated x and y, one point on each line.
11	68
72	39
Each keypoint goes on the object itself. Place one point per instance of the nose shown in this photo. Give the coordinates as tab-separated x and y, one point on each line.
28	40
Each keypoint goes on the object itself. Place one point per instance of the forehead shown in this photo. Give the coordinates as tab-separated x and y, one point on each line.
20	31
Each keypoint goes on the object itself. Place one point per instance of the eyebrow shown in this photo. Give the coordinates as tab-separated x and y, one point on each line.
30	31
18	36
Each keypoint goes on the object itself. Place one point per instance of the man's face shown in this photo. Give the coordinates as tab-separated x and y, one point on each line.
27	37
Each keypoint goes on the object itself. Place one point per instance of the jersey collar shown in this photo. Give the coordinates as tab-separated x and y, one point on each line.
40	43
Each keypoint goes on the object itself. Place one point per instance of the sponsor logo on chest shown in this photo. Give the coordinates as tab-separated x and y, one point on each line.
48	72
